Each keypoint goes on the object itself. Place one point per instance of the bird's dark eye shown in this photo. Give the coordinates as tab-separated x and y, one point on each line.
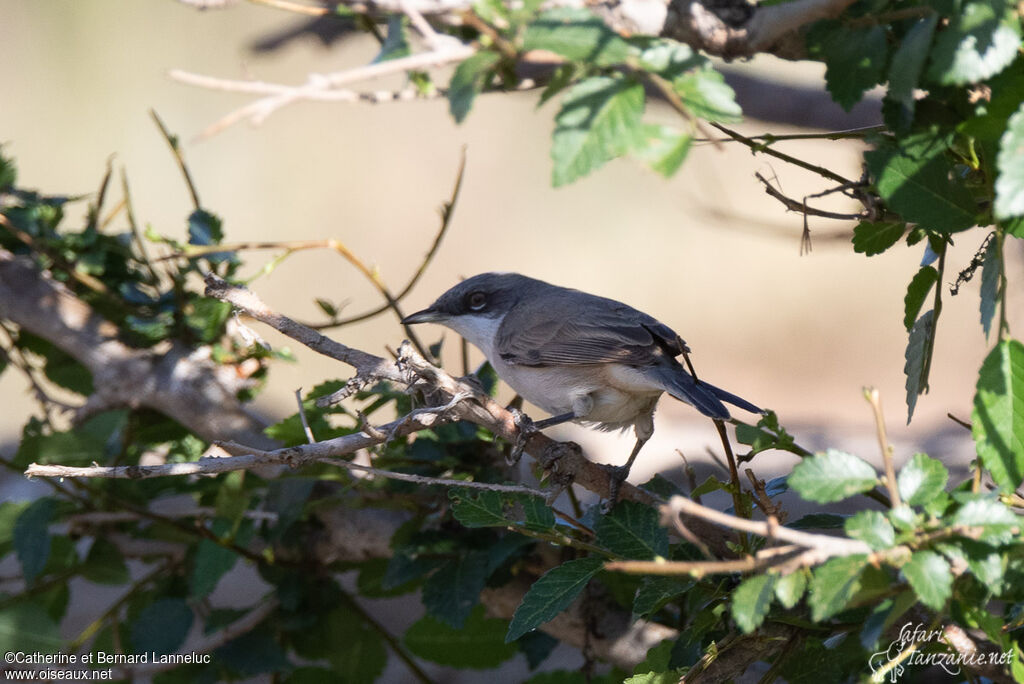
476	301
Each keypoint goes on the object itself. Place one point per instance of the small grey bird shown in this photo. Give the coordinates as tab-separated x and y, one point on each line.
578	356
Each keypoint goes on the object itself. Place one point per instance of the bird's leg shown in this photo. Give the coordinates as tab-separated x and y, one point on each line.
555	420
527	428
620	473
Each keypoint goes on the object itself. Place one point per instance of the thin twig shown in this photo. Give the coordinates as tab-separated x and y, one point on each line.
874	398
172	142
761	147
302	416
835	546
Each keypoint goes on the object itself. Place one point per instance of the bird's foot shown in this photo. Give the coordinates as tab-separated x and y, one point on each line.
616	476
526	430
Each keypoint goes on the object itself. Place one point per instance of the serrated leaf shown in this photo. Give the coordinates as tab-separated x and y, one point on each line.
212	561
920	285
751	601
451	593
480	644
991	270
833	584
999	524
930	577
921	480
819	521
872	528
871	238
855	59
104	563
915	181
664	148
551	594
998	417
577	35
396	43
654	592
832	476
356	652
474	508
32	537
632	530
161	626
670	59
538	515
908	63
599	120
467	82
1010	164
25	627
706	94
977	44
917	361
789	589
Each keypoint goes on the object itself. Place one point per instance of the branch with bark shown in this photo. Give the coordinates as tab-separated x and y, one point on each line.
723	28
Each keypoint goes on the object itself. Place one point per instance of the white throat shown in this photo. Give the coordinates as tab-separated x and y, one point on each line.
480	331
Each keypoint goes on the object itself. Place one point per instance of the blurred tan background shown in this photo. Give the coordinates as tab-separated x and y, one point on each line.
707	252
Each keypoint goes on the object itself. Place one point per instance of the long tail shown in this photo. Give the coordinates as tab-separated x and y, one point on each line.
703	396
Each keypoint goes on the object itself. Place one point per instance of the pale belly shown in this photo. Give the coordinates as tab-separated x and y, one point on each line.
600	393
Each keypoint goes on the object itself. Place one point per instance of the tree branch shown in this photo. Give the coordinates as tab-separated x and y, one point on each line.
181	383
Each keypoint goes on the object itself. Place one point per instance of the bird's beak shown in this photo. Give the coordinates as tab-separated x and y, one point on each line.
425	316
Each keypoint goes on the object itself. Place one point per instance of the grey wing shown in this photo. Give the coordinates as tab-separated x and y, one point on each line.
576	328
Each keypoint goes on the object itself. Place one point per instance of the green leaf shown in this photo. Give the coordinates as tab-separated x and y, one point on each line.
467	82
917	292
480	644
551	594
357	651
599	120
632	530
930	577
161	626
751	601
536	646
833	584
706	94
451	593
32	537
908	63
538	515
921	480
790	588
663	148
855	59
999	523
254	653
1010	164
578	35
872	528
917	360
915	181
670	677
212	561
478	508
871	238
977	44
204	228
832	476
991	270
654	592
998	416
25	627
104	564
396	44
